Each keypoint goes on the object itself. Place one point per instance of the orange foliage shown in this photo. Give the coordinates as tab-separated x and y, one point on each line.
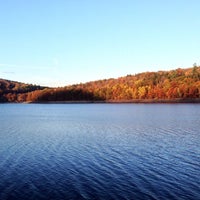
179	83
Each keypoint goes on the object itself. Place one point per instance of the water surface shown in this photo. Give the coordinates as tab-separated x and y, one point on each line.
99	151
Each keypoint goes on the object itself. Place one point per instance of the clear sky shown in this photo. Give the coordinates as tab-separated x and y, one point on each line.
62	42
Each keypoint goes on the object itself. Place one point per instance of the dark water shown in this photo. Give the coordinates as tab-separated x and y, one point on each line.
99	151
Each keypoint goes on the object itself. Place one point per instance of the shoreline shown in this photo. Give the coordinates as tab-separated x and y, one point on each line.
134	101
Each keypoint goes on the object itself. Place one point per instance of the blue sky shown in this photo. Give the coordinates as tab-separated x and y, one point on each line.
62	42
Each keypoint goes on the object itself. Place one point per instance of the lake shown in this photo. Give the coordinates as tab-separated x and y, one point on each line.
99	151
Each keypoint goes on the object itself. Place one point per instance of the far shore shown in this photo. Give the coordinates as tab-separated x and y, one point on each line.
145	101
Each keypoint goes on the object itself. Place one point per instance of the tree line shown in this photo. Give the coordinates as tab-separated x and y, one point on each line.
166	85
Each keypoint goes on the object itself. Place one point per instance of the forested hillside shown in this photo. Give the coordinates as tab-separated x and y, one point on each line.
181	84
12	91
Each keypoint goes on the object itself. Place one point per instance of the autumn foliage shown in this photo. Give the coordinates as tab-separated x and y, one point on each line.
166	85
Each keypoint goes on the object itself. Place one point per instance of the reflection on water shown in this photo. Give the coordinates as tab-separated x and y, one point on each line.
99	151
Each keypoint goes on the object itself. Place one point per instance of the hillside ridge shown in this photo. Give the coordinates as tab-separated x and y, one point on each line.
179	85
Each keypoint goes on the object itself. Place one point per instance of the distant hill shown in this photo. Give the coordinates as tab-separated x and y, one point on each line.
13	91
180	85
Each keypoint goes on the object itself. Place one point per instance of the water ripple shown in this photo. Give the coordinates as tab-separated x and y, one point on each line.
99	152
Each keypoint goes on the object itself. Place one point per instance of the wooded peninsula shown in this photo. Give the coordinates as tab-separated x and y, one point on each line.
180	85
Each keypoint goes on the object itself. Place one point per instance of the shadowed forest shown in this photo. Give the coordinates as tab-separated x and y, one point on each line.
177	85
